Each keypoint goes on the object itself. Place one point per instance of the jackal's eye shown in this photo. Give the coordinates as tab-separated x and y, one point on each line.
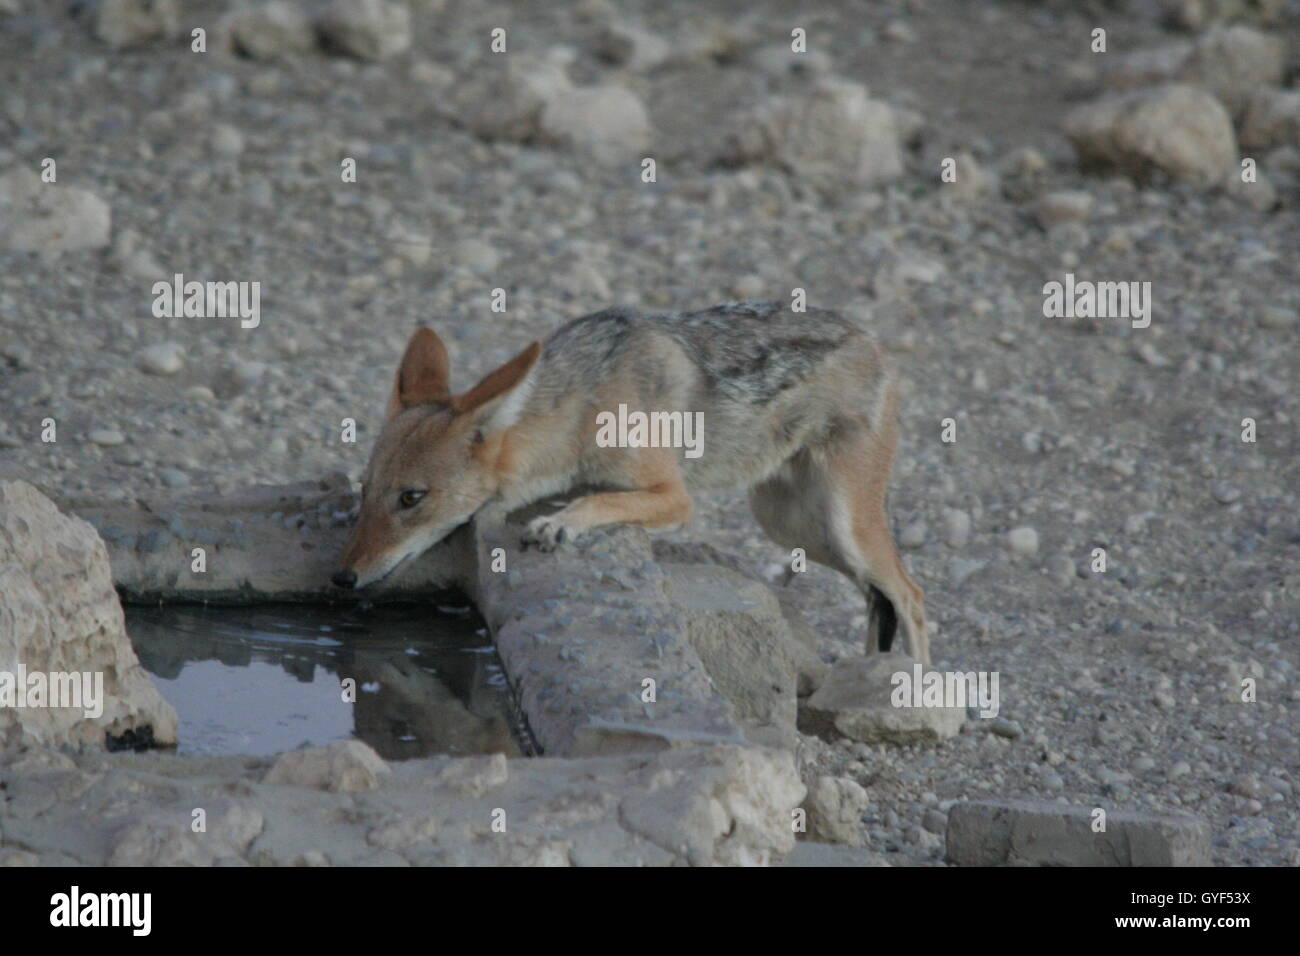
410	497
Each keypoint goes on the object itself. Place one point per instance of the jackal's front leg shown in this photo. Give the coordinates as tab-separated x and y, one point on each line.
660	508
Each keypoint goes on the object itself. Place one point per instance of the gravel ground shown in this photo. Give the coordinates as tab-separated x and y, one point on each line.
1119	688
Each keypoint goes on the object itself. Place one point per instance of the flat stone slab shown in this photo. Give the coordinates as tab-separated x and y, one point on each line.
702	806
1041	833
261	544
581	630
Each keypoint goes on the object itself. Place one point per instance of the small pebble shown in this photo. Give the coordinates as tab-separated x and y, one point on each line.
226	140
1023	541
1226	494
1006	728
476	256
107	437
164	359
956	528
1061	568
173	477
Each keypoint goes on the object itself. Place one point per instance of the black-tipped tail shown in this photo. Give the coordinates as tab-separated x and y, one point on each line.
885	619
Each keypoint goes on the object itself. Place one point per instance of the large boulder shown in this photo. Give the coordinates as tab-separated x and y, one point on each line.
60	616
1181	130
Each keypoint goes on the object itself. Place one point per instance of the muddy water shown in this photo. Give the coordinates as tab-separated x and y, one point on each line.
261	680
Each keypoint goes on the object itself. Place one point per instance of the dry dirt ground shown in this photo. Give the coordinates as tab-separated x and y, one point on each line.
1120	688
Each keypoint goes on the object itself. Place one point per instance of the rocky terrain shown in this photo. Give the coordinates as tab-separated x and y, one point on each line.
823	170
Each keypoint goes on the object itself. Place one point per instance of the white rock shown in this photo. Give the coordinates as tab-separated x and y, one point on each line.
342	767
506	99
1226	494
833	133
59	613
971	180
1023	540
268	30
607	122
919	269
49	217
956	527
410	247
366	29
173	477
1025	162
166	358
246	374
913	535
226	140
835	806
750	287
107	437
855	700
476	255
900	31
1181	130
124	23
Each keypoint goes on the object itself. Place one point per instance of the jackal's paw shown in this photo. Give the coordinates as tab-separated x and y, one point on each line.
547	533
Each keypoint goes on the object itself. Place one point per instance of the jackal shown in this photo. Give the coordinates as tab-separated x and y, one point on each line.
800	408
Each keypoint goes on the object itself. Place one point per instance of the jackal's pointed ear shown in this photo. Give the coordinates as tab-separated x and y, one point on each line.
499	399
424	377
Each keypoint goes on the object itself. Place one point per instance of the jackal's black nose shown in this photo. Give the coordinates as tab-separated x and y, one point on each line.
347	578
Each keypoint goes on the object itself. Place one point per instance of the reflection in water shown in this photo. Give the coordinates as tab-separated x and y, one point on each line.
264	679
